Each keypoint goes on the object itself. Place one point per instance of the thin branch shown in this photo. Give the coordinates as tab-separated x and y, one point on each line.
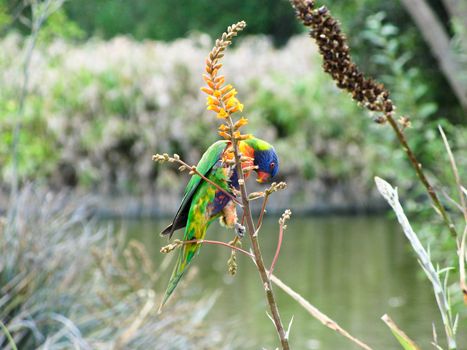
462	259
193	170
313	311
227	193
278	249
461	242
231	246
262	212
273	188
282	227
421	175
177	243
451	200
455	172
39	15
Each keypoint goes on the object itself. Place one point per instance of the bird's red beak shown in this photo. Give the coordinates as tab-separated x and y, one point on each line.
262	177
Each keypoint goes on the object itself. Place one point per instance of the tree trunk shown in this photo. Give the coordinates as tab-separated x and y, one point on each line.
439	43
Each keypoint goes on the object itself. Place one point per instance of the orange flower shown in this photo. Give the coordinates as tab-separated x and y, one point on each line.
207	90
222	114
219	80
227	156
241	122
233	105
244	137
230	94
226	88
214	108
224	135
211	100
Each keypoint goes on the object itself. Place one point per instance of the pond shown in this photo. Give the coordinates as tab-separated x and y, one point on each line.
354	269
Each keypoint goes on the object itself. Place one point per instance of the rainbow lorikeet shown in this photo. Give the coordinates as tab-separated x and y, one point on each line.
203	202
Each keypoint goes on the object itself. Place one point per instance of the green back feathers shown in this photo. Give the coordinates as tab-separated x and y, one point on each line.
257	144
207	161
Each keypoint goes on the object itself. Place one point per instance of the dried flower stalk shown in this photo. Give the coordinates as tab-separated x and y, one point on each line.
372	95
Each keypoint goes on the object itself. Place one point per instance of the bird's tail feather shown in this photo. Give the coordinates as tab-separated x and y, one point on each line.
186	254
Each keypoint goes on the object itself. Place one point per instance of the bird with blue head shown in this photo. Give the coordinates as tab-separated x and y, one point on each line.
203	202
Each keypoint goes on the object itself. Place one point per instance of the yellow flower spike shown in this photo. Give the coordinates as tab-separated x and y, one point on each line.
221	99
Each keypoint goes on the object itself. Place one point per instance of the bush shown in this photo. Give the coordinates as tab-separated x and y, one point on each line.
67	282
98	111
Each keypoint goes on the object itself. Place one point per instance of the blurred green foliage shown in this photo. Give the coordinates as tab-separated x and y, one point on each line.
168	20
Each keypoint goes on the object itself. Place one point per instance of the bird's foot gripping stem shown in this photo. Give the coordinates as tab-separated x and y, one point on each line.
239	230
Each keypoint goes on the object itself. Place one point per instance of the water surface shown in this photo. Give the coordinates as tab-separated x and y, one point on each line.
354	269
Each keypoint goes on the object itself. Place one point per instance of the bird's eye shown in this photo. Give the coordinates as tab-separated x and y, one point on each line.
272	165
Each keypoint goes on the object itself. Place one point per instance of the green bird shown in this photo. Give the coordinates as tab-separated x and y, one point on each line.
203	202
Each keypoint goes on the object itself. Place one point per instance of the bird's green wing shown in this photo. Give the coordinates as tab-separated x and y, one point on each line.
206	163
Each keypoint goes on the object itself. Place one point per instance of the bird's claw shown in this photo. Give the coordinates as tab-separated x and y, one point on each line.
239	230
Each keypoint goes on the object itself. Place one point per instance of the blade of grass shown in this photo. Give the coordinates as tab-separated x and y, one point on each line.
402	338
8	336
391	196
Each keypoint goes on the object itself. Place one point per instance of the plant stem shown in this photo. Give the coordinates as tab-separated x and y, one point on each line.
195	170
278	249
256	248
263	210
37	22
208	241
421	175
316	313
